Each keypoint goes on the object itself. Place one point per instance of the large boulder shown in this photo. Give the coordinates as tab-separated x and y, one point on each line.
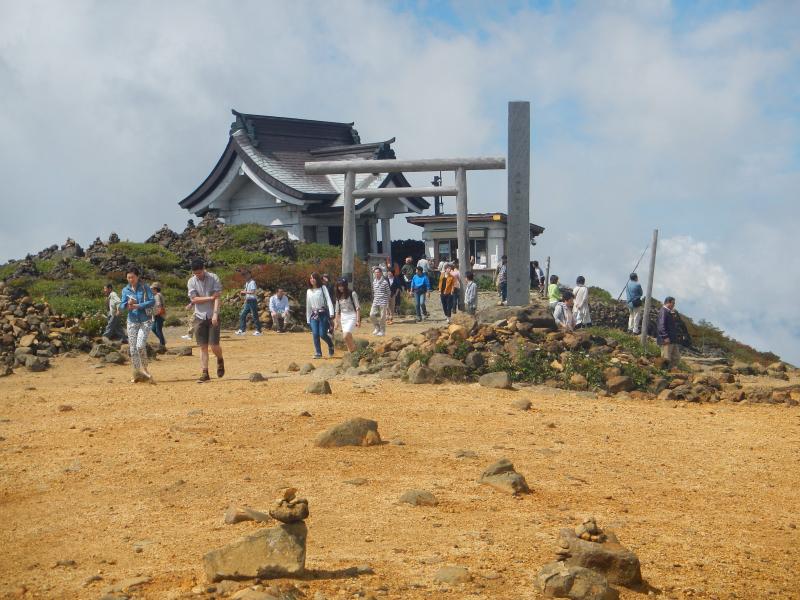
621	383
419	498
36	364
465	320
537	316
447	367
609	557
419	373
500	380
320	386
355	432
274	552
502	476
557	580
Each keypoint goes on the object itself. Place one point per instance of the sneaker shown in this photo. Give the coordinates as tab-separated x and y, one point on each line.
239	332
256	333
447	319
375	331
204	377
331	351
186	337
317	356
380	334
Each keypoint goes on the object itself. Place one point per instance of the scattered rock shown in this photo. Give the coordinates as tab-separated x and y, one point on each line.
256	378
306	369
502	476
180	351
274	552
114	358
466	454
419	498
609	557
355	432
453	575
557	580
289	509
126	584
320	386
419	373
237	515
521	404
293	367
357	481
620	383
579	381
36	364
500	380
65	408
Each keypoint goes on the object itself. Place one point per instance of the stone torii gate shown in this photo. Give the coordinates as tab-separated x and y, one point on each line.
518	196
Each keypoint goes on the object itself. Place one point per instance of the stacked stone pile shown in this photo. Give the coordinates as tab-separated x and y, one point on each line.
588	559
30	334
470	347
278	551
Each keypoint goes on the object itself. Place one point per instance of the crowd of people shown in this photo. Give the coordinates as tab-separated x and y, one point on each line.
336	306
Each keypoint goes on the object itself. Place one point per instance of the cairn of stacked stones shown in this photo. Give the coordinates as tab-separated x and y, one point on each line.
30	334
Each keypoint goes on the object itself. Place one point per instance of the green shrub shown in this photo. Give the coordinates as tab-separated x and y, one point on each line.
43	265
418	355
247	234
533	366
238	257
314	252
486	283
94	325
461	351
7	270
228	316
630	343
590	367
173	320
598	294
148	256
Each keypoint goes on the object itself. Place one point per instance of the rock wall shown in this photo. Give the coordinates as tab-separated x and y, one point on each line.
615	316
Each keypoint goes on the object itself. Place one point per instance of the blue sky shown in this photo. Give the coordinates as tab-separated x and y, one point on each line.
676	115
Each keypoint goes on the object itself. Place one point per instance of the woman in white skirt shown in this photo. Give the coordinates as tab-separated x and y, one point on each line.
348	312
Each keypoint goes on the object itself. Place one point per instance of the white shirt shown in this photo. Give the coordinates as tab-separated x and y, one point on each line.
208	286
423	262
250	286
317	298
564	317
279	305
581	306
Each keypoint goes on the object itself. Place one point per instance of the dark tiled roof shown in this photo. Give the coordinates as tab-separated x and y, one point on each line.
277	148
471	218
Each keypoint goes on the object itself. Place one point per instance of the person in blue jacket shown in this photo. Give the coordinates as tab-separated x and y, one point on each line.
138	299
420	287
635	304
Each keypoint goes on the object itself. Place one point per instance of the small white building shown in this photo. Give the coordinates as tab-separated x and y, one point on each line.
487	238
261	178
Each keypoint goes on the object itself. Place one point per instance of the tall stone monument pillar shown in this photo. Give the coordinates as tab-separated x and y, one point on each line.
518	234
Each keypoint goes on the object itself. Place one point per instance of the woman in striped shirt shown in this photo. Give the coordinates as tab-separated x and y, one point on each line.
381	290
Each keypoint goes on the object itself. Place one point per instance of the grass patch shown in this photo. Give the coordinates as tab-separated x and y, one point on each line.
418	355
43	265
247	234
7	270
314	252
533	366
590	367
237	257
630	343
486	284
148	256
706	336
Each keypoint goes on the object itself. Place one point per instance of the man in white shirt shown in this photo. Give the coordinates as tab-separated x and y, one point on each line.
205	290
279	309
581	307
250	305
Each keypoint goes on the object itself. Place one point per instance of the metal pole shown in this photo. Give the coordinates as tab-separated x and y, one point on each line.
646	316
546	279
518	232
349	227
462	229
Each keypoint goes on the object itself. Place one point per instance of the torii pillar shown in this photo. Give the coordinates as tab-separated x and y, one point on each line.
518	232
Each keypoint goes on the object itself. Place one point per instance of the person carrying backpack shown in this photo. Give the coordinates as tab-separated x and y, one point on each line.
159	313
635	305
348	312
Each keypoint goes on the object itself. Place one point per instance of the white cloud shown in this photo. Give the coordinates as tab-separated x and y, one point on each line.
685	270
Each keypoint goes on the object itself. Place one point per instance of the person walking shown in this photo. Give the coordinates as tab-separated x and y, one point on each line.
159	313
250	305
407	273
420	287
667	336
538	276
583	317
563	312
319	309
553	292
426	266
381	291
205	289
113	330
348	313
446	284
455	301
471	294
396	286
502	279
279	310
137	299
635	305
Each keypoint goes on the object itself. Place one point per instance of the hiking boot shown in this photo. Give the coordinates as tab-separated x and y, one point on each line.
239	332
220	367
204	377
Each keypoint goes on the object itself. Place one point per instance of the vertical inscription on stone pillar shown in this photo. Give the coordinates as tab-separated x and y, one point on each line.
518	232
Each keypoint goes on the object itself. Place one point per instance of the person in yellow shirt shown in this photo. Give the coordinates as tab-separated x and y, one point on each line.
446	287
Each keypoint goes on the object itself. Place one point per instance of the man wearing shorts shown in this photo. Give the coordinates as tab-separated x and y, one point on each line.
204	294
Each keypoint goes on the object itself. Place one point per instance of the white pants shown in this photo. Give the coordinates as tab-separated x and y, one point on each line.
635	319
137	344
377	315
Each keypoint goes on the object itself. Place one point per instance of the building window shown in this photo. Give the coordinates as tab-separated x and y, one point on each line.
309	234
477	250
335	235
443	248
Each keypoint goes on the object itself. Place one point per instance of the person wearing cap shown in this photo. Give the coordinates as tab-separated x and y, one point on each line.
279	310
348	312
667	336
381	290
159	313
635	305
